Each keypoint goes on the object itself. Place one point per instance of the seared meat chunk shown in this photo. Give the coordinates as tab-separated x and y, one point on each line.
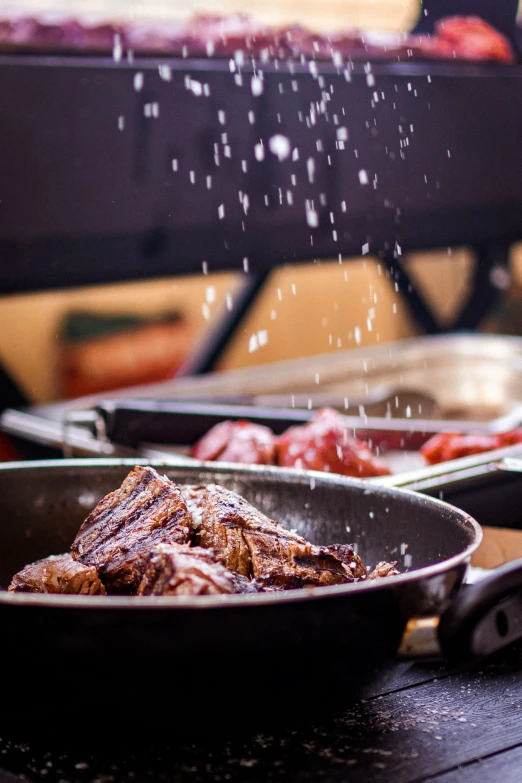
346	554
384	569
237	441
118	534
248	542
184	570
57	574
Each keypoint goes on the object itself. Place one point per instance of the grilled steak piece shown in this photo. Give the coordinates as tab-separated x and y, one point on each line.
57	574
184	570
384	569
251	544
346	554
118	534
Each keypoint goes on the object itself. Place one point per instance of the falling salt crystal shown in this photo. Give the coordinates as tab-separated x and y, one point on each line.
222	117
310	167
165	73
257	86
251	117
317	378
363	177
117	49
365	249
357	335
408	560
210	294
196	87
204	268
370	80
221	211
280	146
209	182
312	218
121	122
259	151
342	134
210	48
192	176
205	311
295	156
174	164
408	412
245	264
138	81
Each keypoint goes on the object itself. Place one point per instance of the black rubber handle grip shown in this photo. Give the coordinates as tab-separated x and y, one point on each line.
484	617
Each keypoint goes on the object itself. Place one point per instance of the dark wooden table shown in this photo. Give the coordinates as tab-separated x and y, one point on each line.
414	722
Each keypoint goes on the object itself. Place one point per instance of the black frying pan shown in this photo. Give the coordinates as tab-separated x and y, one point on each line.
198	656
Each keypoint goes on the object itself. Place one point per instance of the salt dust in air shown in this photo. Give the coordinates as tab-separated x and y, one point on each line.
280	146
257	340
312	218
256	86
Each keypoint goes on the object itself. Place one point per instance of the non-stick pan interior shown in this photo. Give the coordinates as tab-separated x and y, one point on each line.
43	505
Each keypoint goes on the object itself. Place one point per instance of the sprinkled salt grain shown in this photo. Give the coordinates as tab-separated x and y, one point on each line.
221	211
138	81
257	86
117	49
165	73
312	218
363	177
259	151
280	146
365	249
196	87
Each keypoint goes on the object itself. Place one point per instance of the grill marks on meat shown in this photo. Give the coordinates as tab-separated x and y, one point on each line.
57	574
184	570
248	542
118	534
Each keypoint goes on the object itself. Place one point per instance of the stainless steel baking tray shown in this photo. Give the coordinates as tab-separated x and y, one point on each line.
395	395
469	377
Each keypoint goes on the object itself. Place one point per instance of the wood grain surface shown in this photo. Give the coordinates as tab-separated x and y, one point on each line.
413	723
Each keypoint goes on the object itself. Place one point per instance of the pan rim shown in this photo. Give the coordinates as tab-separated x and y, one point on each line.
297	595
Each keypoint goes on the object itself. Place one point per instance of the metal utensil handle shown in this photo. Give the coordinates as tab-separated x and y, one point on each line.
484	617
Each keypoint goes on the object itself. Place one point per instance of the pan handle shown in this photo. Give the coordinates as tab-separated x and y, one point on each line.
484	617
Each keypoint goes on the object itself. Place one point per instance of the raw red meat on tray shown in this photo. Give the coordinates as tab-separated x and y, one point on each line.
324	443
446	446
